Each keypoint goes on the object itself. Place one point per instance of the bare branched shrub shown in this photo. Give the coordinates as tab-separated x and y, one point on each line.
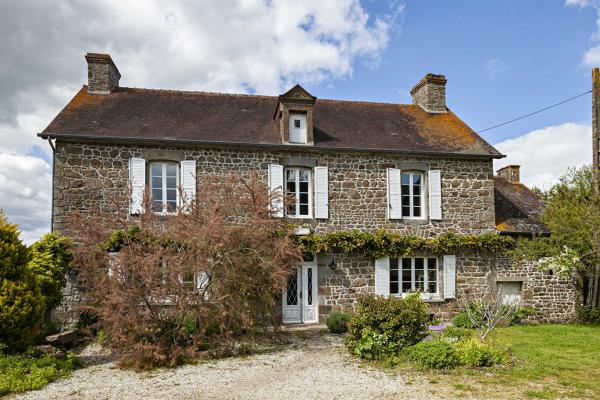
486	309
204	278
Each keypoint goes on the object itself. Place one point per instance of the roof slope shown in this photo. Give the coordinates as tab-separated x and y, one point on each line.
518	208
149	114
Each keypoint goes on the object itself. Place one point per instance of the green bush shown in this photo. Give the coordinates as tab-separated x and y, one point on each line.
437	354
461	320
474	353
458	333
21	302
50	259
381	327
520	315
588	315
21	373
337	321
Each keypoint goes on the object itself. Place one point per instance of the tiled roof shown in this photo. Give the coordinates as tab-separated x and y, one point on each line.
148	114
518	208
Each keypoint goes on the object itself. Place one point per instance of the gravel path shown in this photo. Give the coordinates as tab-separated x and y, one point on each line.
315	367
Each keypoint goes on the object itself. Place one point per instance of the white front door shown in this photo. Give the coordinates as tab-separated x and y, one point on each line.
299	298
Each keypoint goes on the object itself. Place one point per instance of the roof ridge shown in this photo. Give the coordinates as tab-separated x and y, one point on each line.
203	92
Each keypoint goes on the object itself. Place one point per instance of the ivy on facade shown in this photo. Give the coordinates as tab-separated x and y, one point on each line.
385	243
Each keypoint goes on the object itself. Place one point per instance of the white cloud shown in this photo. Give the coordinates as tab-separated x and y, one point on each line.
546	154
495	66
250	46
591	57
579	3
25	186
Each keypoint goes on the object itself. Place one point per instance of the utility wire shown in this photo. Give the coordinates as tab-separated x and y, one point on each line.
535	112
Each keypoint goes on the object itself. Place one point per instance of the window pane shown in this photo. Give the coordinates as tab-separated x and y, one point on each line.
432	263
157	194
419	263
393	263
394	287
419	275
290	175
171	182
417	212
296	123
406	211
406	263
291	188
417	201
405	179
156	169
171	170
304	187
171	195
393	275
310	288
303	209
405	190
406	286
303	175
417	179
171	206
304	198
157	205
292	291
157	182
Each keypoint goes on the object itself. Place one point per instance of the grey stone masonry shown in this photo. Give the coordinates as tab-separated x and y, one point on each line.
95	176
430	93
103	75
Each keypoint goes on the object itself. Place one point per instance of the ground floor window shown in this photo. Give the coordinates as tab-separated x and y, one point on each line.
413	274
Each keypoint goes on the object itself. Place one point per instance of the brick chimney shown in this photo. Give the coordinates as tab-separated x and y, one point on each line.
511	172
430	93
595	117
103	75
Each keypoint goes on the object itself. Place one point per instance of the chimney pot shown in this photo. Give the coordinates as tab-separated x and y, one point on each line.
103	75
430	93
511	172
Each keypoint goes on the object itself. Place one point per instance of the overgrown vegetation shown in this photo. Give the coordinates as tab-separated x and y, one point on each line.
206	278
337	321
383	326
571	214
21	302
382	243
588	315
20	373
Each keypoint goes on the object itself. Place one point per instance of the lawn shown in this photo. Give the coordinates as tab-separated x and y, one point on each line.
551	361
20	373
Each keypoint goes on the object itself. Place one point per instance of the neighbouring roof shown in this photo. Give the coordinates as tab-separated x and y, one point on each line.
149	114
518	208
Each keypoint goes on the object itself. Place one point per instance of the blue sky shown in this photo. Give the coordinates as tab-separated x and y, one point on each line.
502	59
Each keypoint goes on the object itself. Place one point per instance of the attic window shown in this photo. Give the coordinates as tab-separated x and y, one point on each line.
297	128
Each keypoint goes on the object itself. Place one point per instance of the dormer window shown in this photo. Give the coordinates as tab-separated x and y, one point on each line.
298	128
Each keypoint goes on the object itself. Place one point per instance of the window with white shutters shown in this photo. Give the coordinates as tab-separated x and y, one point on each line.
413	274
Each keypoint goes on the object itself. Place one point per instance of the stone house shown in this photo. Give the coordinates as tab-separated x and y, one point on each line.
408	168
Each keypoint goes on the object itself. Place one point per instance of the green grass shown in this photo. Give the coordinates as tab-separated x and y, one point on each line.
566	356
550	362
20	373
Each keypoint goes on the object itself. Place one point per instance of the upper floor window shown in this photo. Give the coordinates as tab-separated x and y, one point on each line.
413	274
412	195
297	128
163	186
298	193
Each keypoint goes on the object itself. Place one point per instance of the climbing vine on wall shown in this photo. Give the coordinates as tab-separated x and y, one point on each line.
386	243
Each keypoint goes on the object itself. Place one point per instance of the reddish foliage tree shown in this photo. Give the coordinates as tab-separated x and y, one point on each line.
206	277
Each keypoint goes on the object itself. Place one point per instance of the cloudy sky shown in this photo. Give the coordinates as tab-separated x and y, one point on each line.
502	59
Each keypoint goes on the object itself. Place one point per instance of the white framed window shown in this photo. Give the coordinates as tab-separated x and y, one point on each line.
413	274
298	192
163	186
412	195
297	128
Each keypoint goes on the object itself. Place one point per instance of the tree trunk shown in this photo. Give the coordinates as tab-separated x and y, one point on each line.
596	286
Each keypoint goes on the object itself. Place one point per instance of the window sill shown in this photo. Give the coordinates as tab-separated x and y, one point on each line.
427	298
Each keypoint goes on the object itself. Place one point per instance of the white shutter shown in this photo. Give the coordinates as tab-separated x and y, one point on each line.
321	192
137	183
382	276
188	182
394	200
276	189
435	195
449	276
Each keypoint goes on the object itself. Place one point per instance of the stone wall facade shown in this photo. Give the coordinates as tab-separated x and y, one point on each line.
89	176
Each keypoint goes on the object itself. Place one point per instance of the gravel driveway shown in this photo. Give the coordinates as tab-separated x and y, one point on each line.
312	366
